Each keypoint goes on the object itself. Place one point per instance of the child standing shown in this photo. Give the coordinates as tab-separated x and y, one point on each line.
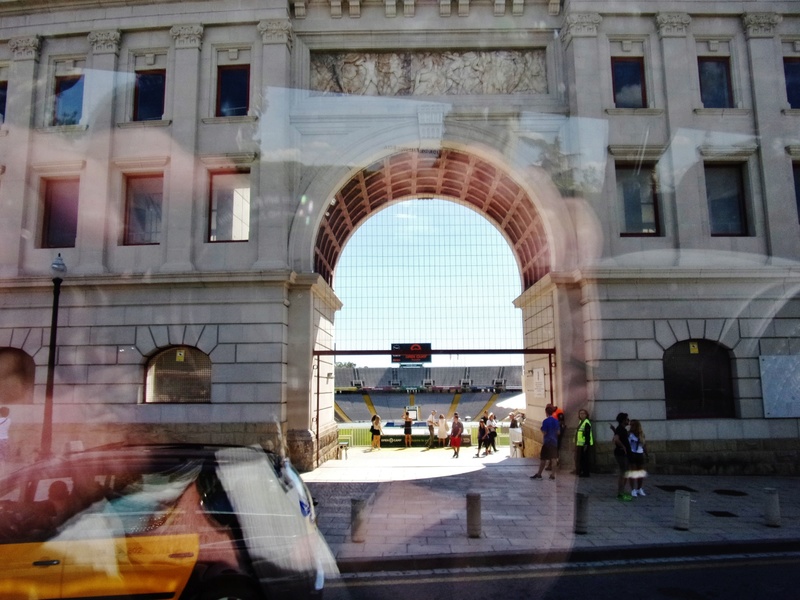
636	458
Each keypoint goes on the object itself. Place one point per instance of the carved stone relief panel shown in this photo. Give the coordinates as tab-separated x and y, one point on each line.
428	73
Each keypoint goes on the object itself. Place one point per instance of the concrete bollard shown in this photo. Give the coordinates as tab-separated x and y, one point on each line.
682	500
772	508
474	515
357	526
581	512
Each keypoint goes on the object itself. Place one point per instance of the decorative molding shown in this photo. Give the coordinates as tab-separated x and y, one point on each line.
463	8
276	31
430	73
444	8
299	9
635	153
721	112
791	112
25	48
66	167
354	8
409	7
581	25
187	36
239	119
430	121
336	9
673	24
553	7
143	124
232	159
104	42
141	163
760	25
635	111
727	153
793	150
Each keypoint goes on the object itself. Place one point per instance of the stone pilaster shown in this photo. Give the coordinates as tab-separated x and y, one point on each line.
184	174
17	126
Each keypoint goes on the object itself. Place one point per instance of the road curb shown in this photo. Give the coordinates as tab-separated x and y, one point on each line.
608	553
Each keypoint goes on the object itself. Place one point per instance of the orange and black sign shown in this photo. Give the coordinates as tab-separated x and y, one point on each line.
411	353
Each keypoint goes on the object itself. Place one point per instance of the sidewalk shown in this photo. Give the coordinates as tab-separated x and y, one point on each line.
416	512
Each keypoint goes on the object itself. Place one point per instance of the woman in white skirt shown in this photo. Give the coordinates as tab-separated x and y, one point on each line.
636	459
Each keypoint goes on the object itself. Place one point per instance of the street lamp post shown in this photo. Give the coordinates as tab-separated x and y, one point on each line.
58	268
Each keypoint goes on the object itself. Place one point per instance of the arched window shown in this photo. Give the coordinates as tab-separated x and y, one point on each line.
697	380
17	371
179	374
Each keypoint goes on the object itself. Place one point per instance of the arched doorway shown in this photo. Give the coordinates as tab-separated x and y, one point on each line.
522	203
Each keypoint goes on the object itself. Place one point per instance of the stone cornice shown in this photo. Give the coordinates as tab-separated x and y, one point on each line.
104	42
25	48
581	25
634	152
760	25
673	24
276	31
187	36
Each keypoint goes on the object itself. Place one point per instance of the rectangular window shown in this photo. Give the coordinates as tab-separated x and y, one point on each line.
627	75
68	107
60	213
148	98
233	90
715	81
3	96
638	197
229	218
796	173
143	209
726	202
791	70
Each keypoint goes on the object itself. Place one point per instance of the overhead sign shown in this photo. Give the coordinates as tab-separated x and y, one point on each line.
411	353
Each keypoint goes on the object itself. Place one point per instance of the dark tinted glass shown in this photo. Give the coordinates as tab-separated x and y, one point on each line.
149	102
628	76
715	82
233	91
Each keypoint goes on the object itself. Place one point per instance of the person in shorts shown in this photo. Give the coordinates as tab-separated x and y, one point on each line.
550	433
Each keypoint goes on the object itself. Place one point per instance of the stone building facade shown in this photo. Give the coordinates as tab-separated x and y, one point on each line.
200	165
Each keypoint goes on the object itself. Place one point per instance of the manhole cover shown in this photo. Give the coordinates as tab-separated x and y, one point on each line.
675	488
721	513
730	493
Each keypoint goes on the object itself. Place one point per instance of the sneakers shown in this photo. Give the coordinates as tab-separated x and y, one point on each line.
552	476
634	493
641	492
536	476
624	497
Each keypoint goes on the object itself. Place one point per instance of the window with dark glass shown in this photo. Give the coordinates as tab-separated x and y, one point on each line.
698	380
3	97
627	75
715	82
796	173
179	374
148	99
791	71
60	213
143	209
726	202
229	215
68	107
233	90
637	193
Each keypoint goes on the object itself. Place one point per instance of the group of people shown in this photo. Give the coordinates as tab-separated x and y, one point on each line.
630	452
630	449
487	435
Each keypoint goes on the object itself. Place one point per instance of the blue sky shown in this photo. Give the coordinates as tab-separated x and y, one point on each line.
428	271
